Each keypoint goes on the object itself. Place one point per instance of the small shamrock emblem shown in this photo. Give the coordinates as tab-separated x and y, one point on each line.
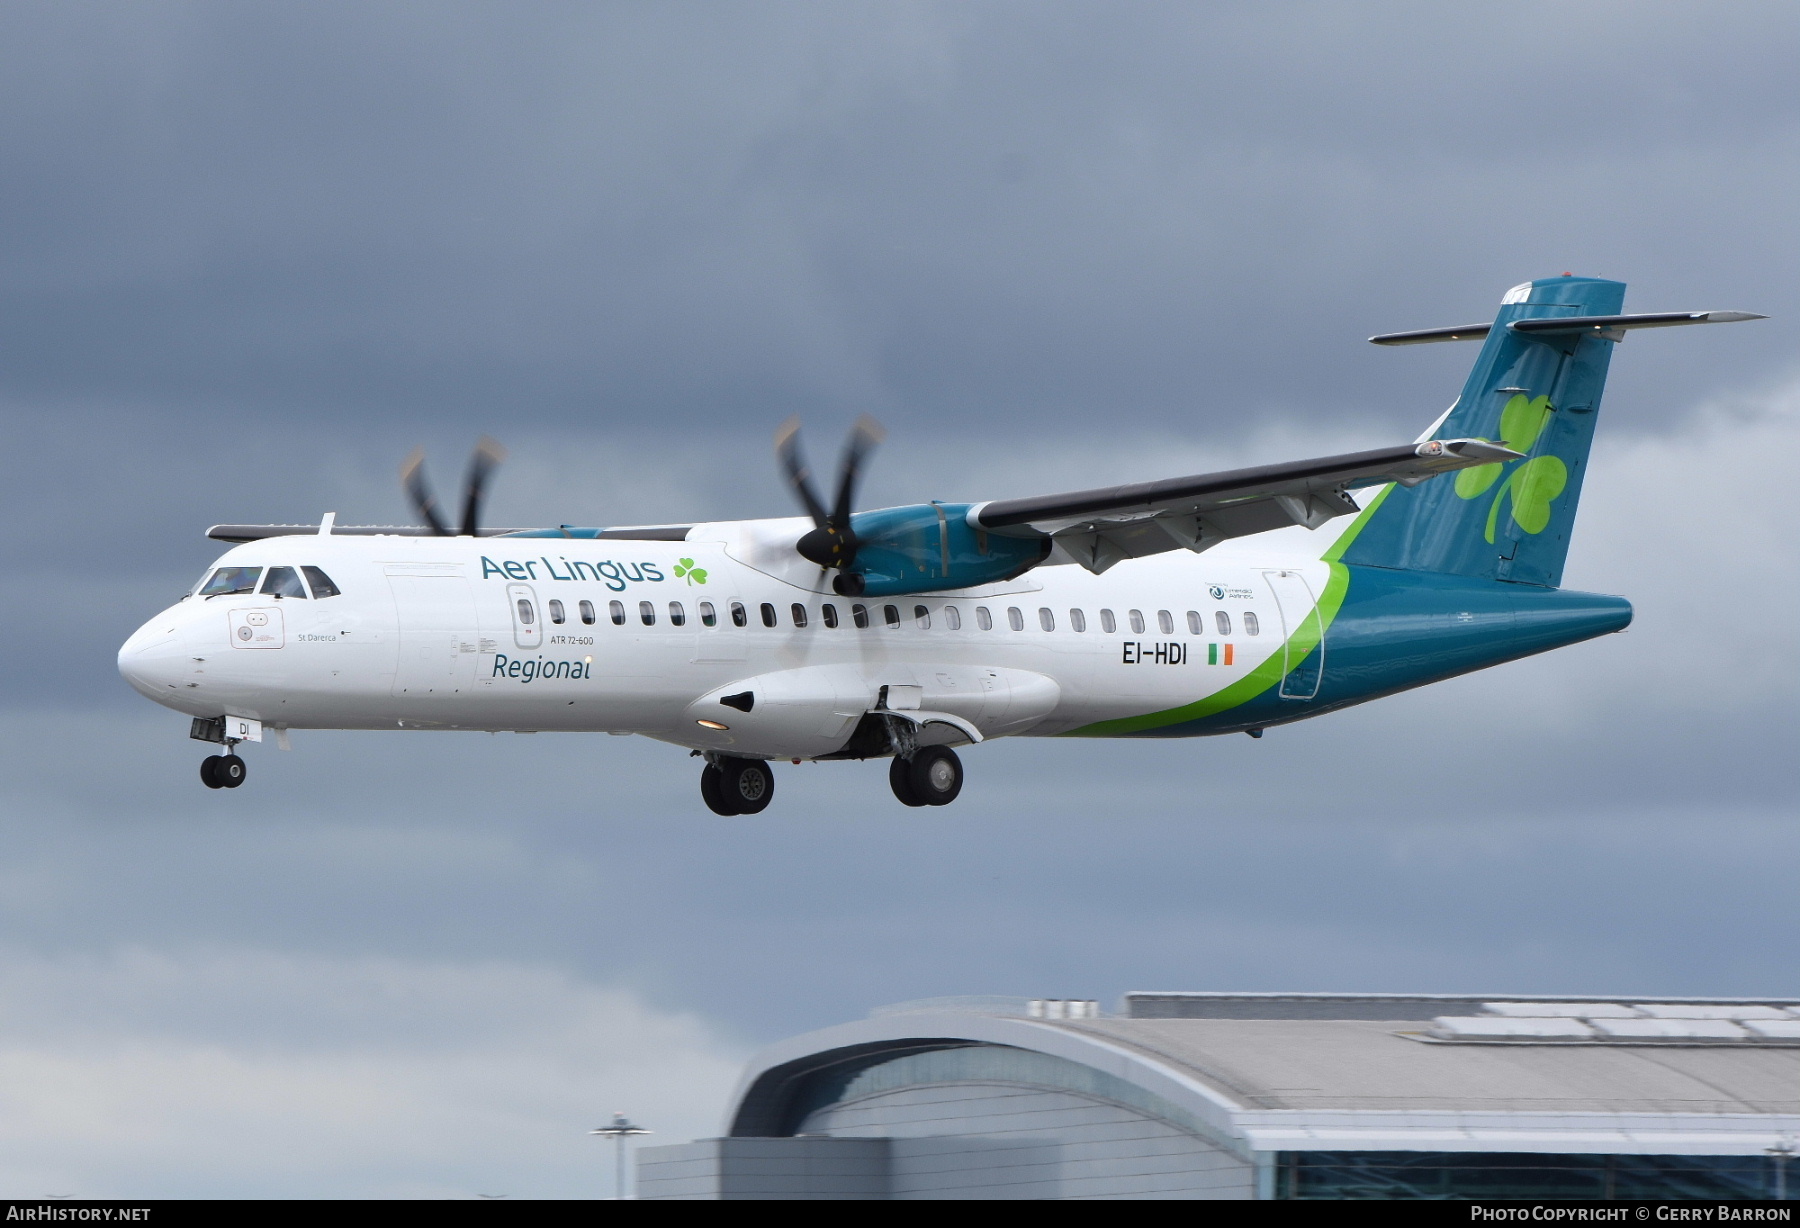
685	567
1534	484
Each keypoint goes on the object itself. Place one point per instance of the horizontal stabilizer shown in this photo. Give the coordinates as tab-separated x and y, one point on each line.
1612	328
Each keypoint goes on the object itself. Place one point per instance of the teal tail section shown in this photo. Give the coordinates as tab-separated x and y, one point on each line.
1537	394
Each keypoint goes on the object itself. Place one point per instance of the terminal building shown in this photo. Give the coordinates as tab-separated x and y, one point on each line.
1245	1095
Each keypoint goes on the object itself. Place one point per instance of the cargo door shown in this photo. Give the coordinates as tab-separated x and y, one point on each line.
438	638
1303	661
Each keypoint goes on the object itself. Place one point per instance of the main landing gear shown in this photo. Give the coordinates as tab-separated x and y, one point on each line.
736	786
933	776
225	771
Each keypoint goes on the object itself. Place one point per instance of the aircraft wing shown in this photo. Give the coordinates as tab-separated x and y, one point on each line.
1097	528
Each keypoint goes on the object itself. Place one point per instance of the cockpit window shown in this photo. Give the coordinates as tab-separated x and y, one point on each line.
232	580
322	586
284	582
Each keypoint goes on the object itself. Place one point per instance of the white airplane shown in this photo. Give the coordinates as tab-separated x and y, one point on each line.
1152	610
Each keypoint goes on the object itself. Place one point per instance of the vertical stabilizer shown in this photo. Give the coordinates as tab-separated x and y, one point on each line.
1538	393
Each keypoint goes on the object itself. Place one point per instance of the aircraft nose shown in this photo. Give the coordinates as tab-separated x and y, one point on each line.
151	660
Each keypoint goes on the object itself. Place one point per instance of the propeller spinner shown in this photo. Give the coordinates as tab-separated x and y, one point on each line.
486	458
832	542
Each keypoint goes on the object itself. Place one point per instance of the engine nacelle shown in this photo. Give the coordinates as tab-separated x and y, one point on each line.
790	713
929	547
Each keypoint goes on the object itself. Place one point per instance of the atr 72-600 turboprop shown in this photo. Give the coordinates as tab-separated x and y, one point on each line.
1148	611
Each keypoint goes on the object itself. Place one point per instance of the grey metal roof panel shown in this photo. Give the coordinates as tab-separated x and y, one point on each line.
1351	1064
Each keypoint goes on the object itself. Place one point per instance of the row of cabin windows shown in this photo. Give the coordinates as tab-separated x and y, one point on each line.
890	615
280	582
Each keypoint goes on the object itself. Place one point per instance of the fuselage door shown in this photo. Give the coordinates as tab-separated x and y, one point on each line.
527	616
1303	662
438	636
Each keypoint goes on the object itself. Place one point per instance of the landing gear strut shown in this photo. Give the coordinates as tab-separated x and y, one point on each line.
736	786
225	771
932	776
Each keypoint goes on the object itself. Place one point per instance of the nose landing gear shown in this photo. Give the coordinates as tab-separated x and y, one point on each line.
933	776
222	771
736	786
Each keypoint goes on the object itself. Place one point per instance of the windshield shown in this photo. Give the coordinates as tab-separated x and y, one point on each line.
284	582
231	580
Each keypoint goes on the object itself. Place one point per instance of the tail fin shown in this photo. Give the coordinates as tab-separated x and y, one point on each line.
1538	392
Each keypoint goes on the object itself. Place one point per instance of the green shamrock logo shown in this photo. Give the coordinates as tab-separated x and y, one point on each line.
697	575
1534	484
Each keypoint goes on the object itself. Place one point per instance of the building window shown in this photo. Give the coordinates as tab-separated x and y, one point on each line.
646	613
677	615
1108	623
1014	619
1137	621
709	617
799	613
587	612
616	609
1222	621
1251	625
983	619
768	614
828	614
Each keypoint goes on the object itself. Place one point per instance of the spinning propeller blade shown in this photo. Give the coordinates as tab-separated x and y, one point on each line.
831	543
488	455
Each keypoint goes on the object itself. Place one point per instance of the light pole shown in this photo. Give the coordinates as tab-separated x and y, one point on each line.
620	1129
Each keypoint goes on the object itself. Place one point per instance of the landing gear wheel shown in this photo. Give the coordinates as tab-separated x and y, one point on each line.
229	772
936	775
209	766
747	784
712	791
900	781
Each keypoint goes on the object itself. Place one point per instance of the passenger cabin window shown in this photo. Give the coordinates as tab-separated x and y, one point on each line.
557	614
527	615
284	582
1077	620
709	617
953	618
1195	626
647	613
1222	621
983	619
229	580
828	614
1014	619
616	610
891	615
1251	625
322	586
587	612
859	614
1165	622
740	617
1046	619
677	614
768	614
799	613
1108	623
1137	620
922	616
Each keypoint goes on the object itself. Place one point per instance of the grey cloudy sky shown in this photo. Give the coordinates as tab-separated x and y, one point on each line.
251	255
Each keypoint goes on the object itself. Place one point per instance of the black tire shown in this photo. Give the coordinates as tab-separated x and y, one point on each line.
748	784
900	781
208	766
230	772
936	775
712	791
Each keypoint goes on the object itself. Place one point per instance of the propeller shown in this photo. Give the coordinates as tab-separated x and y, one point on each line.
486	458
831	543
